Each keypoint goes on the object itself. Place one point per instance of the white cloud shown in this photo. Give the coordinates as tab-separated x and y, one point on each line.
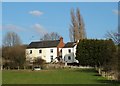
11	27
36	13
39	29
116	12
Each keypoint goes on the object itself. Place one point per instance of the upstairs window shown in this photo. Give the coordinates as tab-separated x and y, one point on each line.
40	51
69	50
30	51
51	50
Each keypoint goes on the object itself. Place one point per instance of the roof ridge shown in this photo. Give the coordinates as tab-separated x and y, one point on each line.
45	40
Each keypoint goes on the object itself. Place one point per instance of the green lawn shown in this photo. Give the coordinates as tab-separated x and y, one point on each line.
61	76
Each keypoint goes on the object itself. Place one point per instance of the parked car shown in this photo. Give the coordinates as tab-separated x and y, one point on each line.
36	68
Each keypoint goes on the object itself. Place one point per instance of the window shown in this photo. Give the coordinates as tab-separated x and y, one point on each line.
51	50
40	51
51	58
61	50
69	50
30	51
69	58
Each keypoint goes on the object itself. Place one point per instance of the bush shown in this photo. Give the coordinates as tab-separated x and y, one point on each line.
95	52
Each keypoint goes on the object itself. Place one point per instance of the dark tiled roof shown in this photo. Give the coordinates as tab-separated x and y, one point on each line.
69	44
44	44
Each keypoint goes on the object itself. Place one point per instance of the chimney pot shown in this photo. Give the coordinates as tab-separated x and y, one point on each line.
61	38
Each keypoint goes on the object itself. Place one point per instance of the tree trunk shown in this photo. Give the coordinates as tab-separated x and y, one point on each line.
99	70
18	67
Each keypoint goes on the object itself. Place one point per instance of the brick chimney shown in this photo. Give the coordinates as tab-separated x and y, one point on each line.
61	39
60	45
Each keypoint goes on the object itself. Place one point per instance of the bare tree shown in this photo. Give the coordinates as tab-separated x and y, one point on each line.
11	39
71	34
51	36
81	28
13	51
115	63
77	29
114	36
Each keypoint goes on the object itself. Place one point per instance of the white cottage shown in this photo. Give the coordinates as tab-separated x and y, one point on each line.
47	50
68	52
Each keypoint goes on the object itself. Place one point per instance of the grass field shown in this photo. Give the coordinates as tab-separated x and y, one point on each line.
63	76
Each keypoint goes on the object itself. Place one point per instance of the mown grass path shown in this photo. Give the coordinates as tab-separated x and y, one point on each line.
59	76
